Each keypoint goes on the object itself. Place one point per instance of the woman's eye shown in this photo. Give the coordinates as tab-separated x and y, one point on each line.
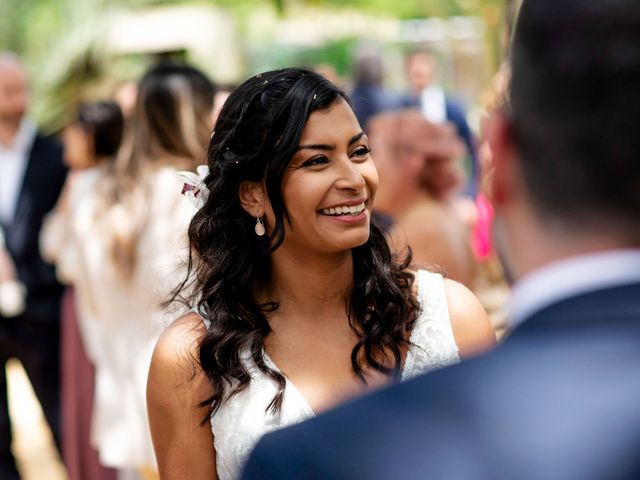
361	152
315	161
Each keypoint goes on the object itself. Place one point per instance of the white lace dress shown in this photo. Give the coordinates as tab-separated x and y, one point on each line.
241	421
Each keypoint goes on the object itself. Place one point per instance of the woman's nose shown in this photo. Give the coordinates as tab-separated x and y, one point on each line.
351	176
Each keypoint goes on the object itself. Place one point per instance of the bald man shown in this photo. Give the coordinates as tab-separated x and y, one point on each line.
31	177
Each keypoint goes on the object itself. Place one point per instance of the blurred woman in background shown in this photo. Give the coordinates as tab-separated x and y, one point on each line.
91	140
127	231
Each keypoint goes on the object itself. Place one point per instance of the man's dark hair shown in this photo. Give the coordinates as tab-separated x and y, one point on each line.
575	104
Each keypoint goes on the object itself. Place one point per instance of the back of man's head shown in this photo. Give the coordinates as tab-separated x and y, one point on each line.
575	103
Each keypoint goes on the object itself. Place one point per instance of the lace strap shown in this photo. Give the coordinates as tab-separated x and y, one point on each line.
433	343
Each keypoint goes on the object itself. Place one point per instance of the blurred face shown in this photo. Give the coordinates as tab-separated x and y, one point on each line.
413	152
329	186
78	147
14	94
420	70
442	153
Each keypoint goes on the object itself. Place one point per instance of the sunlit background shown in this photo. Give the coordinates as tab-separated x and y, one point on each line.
87	49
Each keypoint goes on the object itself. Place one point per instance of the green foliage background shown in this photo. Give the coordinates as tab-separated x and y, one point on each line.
52	36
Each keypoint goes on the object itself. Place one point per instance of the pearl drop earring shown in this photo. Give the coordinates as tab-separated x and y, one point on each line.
259	228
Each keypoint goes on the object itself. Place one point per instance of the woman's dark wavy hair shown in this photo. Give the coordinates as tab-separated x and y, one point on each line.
255	138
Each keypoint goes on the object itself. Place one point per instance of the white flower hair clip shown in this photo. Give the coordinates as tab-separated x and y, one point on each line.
194	187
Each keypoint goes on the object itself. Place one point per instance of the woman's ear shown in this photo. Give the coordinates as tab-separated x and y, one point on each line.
253	198
504	156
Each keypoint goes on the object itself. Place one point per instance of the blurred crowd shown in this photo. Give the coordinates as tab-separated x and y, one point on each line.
93	233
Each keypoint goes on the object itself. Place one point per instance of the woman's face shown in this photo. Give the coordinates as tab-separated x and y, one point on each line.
328	187
77	147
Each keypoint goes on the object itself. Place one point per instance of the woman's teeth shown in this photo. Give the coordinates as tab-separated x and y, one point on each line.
345	210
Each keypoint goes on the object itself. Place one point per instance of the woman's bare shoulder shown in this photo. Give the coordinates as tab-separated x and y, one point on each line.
177	396
175	357
182	335
471	327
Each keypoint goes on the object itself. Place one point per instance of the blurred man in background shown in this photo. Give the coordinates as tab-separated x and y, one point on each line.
426	93
369	96
31	177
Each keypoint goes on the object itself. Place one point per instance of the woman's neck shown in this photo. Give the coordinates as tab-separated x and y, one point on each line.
310	284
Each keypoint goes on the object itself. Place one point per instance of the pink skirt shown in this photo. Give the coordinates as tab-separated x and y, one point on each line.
77	375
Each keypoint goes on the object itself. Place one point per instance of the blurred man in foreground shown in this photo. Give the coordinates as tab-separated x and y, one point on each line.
559	398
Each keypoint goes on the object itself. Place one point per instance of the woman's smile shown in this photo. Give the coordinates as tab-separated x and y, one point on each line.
348	208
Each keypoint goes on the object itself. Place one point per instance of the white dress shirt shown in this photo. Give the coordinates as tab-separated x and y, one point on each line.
433	104
571	277
13	163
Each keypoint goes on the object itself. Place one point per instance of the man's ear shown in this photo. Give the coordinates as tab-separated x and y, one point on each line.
253	198
504	158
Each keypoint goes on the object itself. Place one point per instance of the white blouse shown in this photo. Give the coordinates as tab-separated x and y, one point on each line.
121	320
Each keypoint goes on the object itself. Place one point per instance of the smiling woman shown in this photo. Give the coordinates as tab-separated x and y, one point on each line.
316	311
330	184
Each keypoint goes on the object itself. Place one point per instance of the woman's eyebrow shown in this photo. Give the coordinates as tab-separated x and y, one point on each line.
316	146
324	146
355	138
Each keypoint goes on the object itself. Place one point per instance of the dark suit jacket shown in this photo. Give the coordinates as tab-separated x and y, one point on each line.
558	399
43	179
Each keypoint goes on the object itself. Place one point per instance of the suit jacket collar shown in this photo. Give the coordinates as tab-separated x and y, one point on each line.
570	278
17	230
605	309
23	199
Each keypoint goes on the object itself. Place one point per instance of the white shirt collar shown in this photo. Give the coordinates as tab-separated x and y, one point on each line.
571	277
433	104
13	164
